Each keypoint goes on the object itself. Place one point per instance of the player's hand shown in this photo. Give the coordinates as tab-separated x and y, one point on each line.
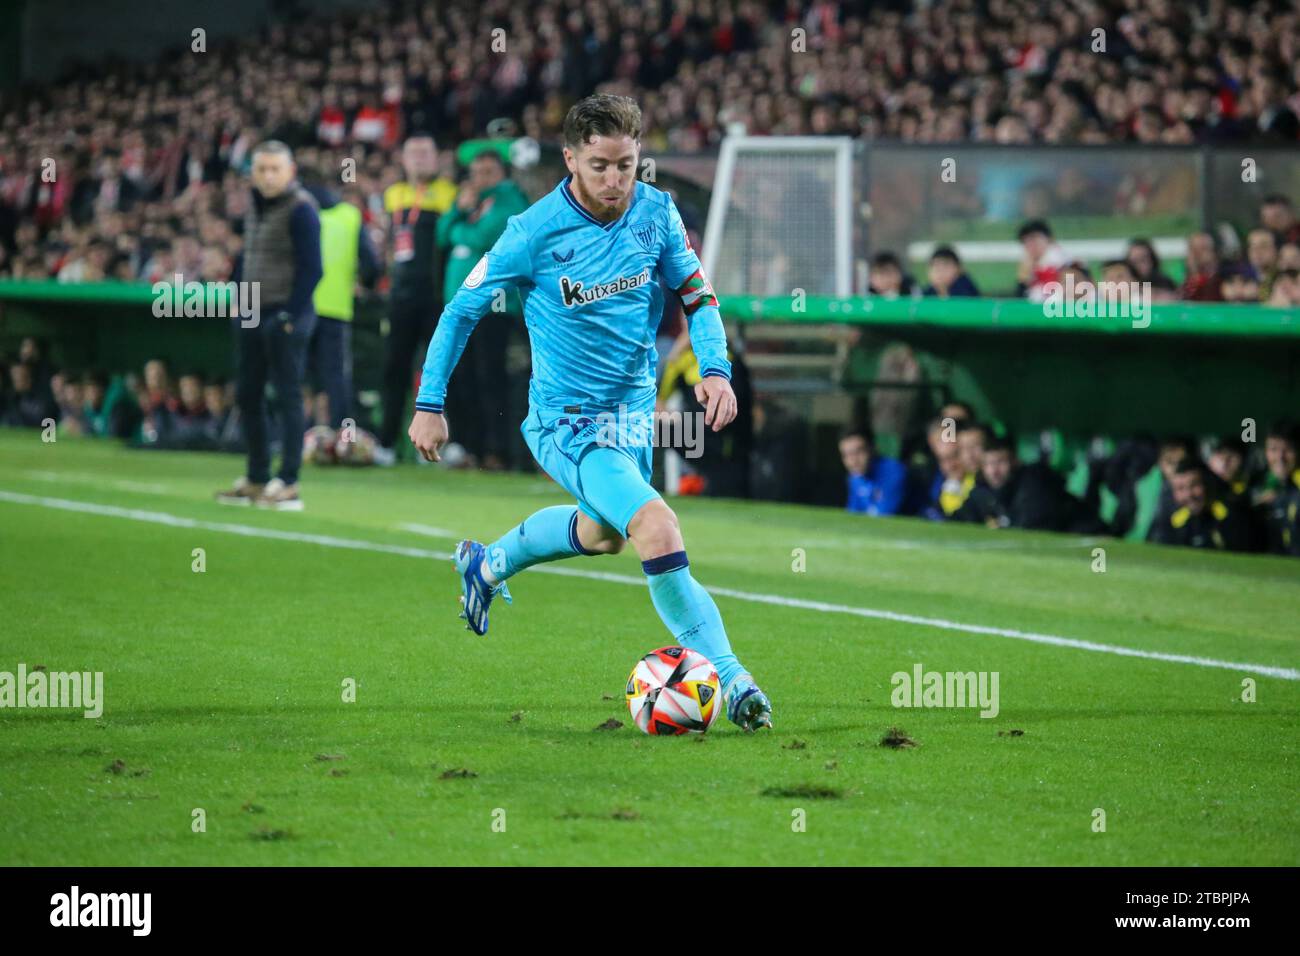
428	433
719	401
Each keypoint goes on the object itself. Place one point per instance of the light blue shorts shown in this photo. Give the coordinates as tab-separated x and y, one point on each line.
602	458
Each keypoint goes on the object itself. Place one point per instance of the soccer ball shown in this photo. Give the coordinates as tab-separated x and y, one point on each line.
673	690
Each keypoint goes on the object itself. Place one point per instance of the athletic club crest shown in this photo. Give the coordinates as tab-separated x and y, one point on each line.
645	233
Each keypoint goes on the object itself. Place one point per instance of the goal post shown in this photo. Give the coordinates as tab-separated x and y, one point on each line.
780	217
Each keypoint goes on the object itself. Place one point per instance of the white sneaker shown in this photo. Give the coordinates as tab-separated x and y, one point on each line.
384	457
243	492
279	496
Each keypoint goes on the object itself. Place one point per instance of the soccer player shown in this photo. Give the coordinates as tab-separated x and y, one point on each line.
585	260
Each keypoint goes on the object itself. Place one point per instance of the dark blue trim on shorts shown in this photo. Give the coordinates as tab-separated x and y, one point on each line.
668	562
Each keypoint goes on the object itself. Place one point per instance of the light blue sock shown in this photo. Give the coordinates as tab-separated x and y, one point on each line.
690	614
548	535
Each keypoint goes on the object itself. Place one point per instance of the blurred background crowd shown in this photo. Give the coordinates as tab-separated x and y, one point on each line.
137	172
149	160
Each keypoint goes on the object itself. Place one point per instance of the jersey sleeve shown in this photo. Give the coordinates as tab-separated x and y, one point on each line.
507	265
680	267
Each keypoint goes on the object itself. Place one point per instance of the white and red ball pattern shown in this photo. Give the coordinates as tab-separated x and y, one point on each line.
674	690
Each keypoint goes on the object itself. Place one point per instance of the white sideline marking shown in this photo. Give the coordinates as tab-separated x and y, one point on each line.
430	531
330	541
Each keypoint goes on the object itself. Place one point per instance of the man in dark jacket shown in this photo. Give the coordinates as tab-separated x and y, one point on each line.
282	256
1011	495
1200	520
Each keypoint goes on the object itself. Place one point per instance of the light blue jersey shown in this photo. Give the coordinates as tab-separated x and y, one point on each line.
592	302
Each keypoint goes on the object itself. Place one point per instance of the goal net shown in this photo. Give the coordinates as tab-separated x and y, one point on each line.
780	217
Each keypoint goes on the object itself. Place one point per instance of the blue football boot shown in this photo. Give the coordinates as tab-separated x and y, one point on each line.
477	594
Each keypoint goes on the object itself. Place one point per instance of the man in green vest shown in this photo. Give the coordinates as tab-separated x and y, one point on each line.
485	202
347	256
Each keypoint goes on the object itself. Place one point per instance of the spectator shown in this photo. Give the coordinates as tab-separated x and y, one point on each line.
947	277
888	278
972	438
485	202
1011	495
1288	256
1119	273
1286	289
1202	282
1198	519
414	206
876	484
1077	275
1227	465
1042	260
28	406
1274	495
951	485
1261	253
1277	215
1144	262
1240	285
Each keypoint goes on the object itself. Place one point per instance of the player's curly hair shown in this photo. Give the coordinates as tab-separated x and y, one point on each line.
601	114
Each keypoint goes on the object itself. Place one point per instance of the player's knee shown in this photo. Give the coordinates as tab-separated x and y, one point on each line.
599	538
612	545
654	529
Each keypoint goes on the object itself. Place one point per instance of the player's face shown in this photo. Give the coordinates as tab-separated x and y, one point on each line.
604	173
272	173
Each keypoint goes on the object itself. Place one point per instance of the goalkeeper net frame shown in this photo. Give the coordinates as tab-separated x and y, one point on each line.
781	211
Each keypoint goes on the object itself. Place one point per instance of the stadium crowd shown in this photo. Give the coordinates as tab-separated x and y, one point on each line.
150	179
147	162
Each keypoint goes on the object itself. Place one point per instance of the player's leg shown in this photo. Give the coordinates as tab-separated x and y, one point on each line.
616	487
552	534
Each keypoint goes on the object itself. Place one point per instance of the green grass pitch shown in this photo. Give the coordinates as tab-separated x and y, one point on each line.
224	689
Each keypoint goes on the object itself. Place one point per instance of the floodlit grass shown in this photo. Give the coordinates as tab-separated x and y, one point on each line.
225	689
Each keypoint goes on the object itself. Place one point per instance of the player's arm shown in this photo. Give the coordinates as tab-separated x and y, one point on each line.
507	265
680	266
